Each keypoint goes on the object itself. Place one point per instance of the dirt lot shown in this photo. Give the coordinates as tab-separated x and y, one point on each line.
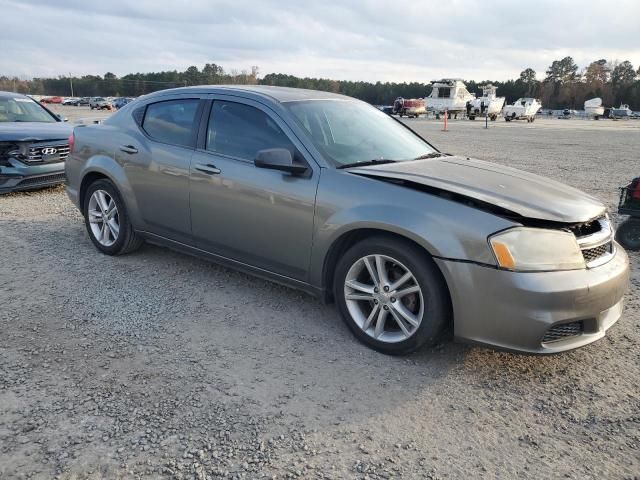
160	365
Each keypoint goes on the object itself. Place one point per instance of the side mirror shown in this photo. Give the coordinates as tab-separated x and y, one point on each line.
278	159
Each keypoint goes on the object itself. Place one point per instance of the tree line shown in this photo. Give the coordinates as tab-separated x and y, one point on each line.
564	85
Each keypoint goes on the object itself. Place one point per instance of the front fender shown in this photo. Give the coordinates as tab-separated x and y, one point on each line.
443	227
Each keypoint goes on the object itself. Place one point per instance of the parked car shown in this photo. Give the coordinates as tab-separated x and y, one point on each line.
328	194
84	101
52	100
70	101
121	102
388	109
33	144
100	103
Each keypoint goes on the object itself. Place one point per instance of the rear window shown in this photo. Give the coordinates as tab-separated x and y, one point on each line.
171	121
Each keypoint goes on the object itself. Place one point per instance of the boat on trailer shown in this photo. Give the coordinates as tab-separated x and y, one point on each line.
623	111
522	109
488	105
593	108
448	95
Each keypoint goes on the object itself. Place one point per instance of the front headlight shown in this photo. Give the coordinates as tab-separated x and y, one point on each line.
536	249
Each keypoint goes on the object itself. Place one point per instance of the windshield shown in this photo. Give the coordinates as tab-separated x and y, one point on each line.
21	109
349	132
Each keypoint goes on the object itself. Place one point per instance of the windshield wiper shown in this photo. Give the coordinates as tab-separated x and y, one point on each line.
430	155
375	161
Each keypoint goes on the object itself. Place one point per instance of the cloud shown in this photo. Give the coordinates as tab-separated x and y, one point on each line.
401	40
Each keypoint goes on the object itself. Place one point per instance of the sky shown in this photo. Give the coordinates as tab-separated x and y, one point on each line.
385	40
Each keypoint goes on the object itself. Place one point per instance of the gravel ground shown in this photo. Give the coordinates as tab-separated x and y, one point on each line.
157	364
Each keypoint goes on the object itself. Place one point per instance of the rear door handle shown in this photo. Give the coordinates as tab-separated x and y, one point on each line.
208	168
128	149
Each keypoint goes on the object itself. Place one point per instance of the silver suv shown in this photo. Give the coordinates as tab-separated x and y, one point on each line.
100	103
329	195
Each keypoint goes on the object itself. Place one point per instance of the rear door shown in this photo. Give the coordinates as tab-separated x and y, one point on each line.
157	161
260	217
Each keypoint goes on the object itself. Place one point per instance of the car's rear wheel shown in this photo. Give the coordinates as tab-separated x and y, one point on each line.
107	220
391	295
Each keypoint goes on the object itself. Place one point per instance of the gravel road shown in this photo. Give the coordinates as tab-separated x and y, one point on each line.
157	364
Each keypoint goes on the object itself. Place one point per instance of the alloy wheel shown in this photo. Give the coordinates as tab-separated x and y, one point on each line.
103	218
384	298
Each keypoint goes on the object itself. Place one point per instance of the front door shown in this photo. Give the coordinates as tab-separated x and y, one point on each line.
260	217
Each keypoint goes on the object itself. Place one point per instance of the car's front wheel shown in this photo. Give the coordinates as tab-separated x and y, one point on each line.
391	295
628	234
107	220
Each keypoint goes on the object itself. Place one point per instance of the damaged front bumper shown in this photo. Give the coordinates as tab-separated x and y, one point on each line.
17	176
536	312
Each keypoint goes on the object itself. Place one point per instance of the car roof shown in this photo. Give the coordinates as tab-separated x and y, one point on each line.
11	95
278	94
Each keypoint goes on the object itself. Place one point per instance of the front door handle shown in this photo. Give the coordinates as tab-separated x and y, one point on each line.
208	168
128	149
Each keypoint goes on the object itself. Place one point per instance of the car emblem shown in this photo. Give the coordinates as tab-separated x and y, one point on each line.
49	151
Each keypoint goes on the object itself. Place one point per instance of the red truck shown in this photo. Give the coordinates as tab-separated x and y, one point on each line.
411	107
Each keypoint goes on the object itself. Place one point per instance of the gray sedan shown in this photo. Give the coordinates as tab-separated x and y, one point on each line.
327	194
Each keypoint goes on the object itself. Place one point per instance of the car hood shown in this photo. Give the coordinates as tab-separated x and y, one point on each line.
33	131
523	193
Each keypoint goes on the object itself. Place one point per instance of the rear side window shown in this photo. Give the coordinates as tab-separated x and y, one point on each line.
171	121
241	131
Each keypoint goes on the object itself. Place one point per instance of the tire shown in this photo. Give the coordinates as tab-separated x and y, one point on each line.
507	119
628	234
428	307
126	240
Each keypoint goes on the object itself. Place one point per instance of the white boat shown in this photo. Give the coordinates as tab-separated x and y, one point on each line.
522	109
593	108
489	104
623	111
450	95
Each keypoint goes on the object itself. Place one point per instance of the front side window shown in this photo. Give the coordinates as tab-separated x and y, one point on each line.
171	121
347	131
240	131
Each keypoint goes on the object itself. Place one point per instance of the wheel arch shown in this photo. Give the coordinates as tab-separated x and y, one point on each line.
87	180
347	239
106	167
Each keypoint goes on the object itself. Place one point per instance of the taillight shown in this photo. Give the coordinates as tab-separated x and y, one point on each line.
71	141
636	191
